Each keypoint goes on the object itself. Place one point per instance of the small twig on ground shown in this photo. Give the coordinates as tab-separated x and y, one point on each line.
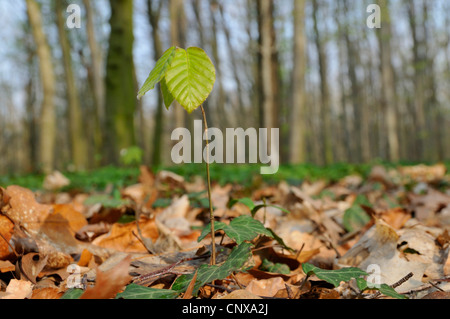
395	285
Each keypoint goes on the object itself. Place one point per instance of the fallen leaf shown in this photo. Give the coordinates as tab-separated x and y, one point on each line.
47	293
121	237
266	287
31	265
109	283
17	289
240	294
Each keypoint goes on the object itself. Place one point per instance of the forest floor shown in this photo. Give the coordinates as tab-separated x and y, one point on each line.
341	232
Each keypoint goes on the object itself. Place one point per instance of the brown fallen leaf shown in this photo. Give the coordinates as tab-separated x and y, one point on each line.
47	293
266	287
31	265
438	295
109	283
122	237
240	294
190	288
6	232
17	289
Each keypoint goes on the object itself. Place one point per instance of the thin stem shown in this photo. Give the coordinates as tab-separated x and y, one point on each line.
211	213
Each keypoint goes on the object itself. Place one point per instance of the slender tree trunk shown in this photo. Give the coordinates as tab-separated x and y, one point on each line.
47	120
297	124
153	16
388	81
235	69
97	79
177	27
78	144
269	67
327	151
120	81
418	80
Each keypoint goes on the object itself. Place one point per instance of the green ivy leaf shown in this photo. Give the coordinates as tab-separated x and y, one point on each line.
74	293
333	277
191	77
133	291
158	72
207	273
389	291
240	229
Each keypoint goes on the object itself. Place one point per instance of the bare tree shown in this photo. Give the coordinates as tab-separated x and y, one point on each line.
47	120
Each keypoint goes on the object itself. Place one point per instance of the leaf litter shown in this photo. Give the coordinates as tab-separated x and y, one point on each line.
383	236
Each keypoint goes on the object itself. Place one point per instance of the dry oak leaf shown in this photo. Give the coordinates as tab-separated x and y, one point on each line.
6	231
122	237
109	283
266	287
47	293
17	289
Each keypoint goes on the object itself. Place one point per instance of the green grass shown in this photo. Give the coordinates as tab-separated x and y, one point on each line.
244	174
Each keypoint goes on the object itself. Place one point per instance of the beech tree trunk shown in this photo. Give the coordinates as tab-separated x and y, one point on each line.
47	124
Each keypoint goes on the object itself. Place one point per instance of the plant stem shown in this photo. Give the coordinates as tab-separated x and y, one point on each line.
211	213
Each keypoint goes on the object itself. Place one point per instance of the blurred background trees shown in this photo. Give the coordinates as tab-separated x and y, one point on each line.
338	90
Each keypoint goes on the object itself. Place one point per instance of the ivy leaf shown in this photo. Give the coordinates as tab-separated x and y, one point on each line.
390	292
207	273
158	72
333	277
240	229
191	77
74	293
134	291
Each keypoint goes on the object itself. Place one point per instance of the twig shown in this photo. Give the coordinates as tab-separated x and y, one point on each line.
149	277
395	285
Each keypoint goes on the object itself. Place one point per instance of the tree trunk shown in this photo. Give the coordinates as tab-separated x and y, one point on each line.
97	79
153	16
177	28
120	82
78	143
388	81
47	120
297	124
327	151
269	67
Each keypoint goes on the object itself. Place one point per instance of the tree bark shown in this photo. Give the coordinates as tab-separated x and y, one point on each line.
297	124
78	144
153	16
47	120
97	79
327	151
388	81
120	81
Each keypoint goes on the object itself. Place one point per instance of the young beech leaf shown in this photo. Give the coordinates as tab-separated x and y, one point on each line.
190	77
167	96
158	71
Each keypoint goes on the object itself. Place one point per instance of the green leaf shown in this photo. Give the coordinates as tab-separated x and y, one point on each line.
355	217
279	268
333	277
191	77
390	292
240	229
167	96
207	273
74	293
158	71
246	201
105	200
133	291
